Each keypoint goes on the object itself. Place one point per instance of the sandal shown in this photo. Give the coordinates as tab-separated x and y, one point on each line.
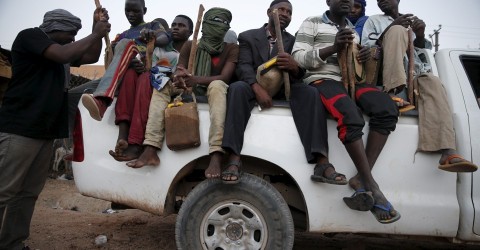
403	106
387	208
318	175
232	173
361	200
463	166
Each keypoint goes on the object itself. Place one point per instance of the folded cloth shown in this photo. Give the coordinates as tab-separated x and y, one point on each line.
159	76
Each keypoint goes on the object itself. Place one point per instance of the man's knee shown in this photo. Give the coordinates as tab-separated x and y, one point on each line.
351	127
239	86
396	33
397	30
216	88
123	43
217	85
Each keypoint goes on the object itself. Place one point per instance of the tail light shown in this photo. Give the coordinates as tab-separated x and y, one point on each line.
78	152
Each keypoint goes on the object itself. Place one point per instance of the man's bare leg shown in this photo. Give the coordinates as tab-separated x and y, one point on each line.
357	153
374	147
214	169
148	157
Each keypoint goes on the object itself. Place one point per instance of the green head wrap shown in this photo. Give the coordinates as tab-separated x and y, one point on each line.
216	23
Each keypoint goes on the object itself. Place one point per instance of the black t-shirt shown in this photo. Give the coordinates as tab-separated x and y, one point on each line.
35	104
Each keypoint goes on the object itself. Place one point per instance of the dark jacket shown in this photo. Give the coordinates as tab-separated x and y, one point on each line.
255	50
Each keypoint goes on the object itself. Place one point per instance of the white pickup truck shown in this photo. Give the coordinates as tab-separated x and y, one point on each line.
277	196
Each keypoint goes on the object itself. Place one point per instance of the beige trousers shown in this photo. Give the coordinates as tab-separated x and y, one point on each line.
435	121
217	102
395	45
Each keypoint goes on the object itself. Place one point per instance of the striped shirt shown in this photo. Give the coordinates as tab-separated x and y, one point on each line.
314	34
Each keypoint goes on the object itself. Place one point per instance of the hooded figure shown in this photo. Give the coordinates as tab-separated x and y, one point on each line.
357	16
216	23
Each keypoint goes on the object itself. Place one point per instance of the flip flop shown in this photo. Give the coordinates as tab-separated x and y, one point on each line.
464	166
318	175
361	200
386	208
403	106
230	173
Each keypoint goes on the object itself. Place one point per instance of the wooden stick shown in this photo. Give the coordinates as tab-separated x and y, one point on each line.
342	59
411	66
108	45
278	32
350	70
193	50
149	53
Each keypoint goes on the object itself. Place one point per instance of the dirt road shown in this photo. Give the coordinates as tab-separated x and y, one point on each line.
64	219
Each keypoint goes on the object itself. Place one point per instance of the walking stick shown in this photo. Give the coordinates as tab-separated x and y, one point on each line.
278	32
193	50
351	70
411	66
108	46
149	53
342	59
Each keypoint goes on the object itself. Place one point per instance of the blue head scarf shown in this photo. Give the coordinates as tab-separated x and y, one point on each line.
364	4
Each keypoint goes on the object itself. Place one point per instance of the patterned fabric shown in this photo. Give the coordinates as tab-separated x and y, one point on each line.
314	34
164	62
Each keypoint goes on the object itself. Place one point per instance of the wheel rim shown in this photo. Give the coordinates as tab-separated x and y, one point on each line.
233	224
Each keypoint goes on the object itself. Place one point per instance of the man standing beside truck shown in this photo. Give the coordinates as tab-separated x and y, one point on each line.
34	112
435	125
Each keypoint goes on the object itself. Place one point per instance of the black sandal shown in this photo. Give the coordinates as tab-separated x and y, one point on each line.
232	173
318	175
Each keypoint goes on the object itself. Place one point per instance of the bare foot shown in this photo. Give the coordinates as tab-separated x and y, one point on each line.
214	168
131	152
355	182
122	144
148	157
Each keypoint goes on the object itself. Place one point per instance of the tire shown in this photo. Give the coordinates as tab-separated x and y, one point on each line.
248	215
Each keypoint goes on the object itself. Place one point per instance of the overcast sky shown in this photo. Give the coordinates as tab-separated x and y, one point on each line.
458	18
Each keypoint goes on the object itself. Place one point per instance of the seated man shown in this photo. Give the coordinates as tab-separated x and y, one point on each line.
257	46
214	66
319	40
436	133
135	93
127	45
357	16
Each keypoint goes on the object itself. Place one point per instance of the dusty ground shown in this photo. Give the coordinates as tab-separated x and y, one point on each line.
64	219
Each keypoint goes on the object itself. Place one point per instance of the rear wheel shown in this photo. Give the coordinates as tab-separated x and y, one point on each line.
248	215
